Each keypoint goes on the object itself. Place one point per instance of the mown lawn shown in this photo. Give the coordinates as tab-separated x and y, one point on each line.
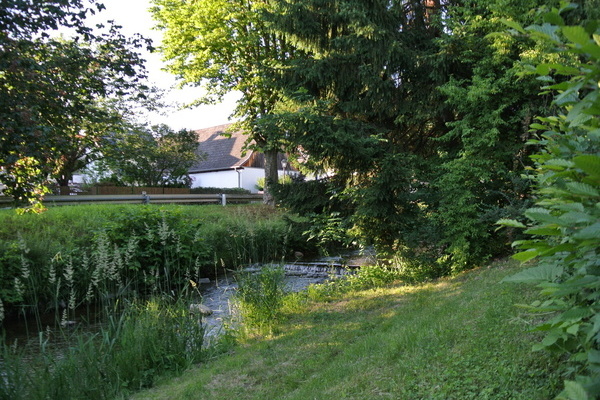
457	338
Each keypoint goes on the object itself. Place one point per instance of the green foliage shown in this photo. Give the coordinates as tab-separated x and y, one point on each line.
482	154
52	111
367	277
155	156
420	114
307	197
259	297
564	227
111	253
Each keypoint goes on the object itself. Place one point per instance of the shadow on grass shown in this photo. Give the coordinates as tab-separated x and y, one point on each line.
452	339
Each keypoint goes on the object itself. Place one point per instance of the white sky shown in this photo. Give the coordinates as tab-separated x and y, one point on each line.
134	16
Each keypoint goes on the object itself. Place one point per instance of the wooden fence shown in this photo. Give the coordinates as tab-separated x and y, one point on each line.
99	190
146	198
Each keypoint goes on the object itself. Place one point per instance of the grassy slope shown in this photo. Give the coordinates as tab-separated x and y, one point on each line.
459	338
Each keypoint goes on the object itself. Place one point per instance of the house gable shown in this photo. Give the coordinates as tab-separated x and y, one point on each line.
220	152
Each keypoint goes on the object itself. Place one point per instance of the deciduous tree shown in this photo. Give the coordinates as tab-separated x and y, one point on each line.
50	89
156	156
224	46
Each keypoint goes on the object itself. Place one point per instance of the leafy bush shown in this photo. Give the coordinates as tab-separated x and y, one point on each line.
327	210
564	224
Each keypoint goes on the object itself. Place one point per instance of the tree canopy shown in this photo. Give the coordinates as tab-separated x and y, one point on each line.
51	89
225	46
156	156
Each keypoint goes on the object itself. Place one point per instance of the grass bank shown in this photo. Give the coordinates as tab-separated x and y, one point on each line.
456	338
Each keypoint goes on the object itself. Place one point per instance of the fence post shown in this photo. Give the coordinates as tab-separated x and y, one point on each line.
223	199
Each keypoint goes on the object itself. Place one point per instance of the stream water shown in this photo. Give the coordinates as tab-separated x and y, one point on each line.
218	294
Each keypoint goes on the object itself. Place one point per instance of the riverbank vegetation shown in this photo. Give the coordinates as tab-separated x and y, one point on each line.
104	290
144	340
68	257
454	338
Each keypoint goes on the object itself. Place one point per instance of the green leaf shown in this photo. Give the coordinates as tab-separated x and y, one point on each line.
541	273
513	24
573	329
577	207
538	127
594	356
596	328
578	119
526	255
575	314
567	97
544	231
592	49
576	34
589	232
551	338
573	391
563	247
589	164
560	162
559	86
575	217
511	223
546	30
542	215
582	189
554	18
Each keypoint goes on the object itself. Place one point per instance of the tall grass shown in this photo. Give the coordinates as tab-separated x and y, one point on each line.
260	298
146	341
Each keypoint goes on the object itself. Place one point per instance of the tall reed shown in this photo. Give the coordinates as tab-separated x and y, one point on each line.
147	340
125	253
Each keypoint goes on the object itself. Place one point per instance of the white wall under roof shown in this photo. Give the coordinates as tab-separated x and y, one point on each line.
244	177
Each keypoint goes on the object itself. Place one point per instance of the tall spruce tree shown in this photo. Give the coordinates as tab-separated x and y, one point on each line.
364	102
419	109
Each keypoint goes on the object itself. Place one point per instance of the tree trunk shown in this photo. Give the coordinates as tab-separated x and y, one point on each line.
271	176
63	183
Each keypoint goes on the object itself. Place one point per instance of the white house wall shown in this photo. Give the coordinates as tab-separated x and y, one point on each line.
250	176
219	179
229	179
